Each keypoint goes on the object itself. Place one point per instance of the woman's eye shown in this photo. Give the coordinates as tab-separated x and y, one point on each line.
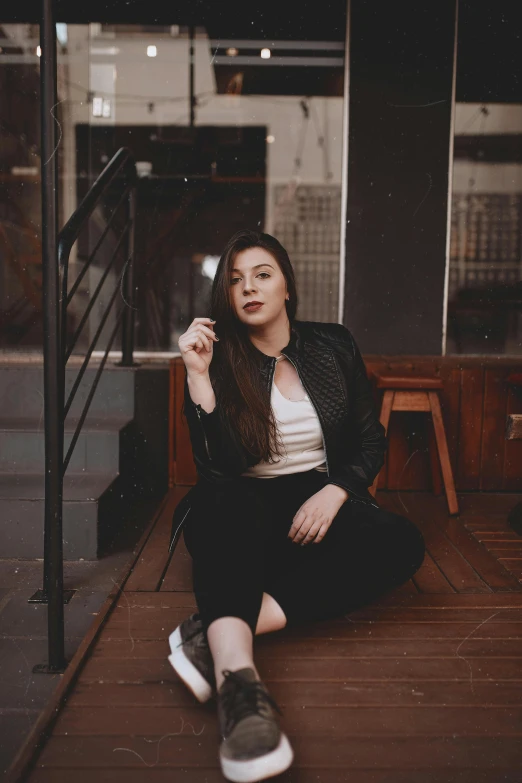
234	279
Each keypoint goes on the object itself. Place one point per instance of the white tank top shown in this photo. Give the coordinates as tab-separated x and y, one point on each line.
301	436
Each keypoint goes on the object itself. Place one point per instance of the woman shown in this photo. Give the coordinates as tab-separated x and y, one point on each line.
281	527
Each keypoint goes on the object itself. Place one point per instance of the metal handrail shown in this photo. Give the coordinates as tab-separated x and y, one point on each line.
57	300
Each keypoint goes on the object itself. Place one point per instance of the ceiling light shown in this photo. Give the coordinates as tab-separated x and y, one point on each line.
265	54
152	51
232	51
270	139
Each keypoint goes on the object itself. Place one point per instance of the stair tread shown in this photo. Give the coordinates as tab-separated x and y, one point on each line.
91	424
76	486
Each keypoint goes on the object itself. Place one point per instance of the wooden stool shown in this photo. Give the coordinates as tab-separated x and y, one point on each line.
419	394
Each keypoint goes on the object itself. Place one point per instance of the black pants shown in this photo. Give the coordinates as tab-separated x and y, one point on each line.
237	536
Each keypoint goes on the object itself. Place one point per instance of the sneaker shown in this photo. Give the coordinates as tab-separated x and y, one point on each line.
191	658
253	746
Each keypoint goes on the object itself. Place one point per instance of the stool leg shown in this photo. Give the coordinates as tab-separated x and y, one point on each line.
442	445
386	409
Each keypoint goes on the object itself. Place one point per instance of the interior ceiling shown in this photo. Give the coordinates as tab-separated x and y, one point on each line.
488	68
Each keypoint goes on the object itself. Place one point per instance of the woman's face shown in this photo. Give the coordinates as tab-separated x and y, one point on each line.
257	277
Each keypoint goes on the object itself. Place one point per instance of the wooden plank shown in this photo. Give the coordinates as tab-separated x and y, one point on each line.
493	443
146	575
178	751
411	401
333	692
459	573
478	556
470	429
156	624
185	469
109	666
156	669
160	629
178	576
295	774
430	579
513	454
326	662
379	722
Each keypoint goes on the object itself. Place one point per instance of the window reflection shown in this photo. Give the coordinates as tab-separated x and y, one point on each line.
241	133
485	275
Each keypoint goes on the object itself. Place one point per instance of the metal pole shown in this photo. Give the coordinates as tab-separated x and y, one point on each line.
128	318
191	78
53	393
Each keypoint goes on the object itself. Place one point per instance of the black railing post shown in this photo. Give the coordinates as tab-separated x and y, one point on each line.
53	391
128	319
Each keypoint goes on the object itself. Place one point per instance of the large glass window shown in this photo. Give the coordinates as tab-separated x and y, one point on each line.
227	134
485	271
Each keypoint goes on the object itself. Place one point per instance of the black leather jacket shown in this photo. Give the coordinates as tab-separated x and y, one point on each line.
333	374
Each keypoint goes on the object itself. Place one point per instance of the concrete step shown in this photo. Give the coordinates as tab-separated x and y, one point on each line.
97	450
21	391
88	510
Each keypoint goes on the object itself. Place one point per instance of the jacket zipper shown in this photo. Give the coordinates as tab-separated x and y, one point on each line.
317	412
204	433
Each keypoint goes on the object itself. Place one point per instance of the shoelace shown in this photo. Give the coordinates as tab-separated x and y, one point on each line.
243	697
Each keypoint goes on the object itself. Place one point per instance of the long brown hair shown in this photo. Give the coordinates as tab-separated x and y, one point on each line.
241	393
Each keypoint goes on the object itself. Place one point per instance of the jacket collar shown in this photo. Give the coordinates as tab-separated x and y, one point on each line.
293	350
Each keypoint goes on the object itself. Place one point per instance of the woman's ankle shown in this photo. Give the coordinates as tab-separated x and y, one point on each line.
233	666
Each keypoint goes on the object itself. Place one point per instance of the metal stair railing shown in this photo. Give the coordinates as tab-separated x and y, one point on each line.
122	166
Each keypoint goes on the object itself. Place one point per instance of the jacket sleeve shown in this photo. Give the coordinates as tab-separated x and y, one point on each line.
364	461
217	453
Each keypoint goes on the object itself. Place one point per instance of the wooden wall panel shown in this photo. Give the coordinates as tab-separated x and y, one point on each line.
185	470
475	400
493	440
513	448
470	428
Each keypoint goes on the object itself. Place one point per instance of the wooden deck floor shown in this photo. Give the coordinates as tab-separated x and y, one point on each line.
425	685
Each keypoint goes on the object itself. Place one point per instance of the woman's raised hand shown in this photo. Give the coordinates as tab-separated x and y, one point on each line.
196	345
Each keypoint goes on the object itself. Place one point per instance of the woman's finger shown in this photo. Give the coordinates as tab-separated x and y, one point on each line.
303	530
314	529
321	534
199	339
201	328
296	524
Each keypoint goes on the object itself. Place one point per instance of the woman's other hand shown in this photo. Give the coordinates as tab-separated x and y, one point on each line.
317	514
196	345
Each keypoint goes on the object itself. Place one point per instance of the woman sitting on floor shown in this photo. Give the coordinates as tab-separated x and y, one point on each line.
281	527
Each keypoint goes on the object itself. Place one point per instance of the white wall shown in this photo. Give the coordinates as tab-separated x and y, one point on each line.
477	177
133	81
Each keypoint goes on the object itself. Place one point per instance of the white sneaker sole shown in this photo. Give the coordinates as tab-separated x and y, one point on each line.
266	766
186	670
